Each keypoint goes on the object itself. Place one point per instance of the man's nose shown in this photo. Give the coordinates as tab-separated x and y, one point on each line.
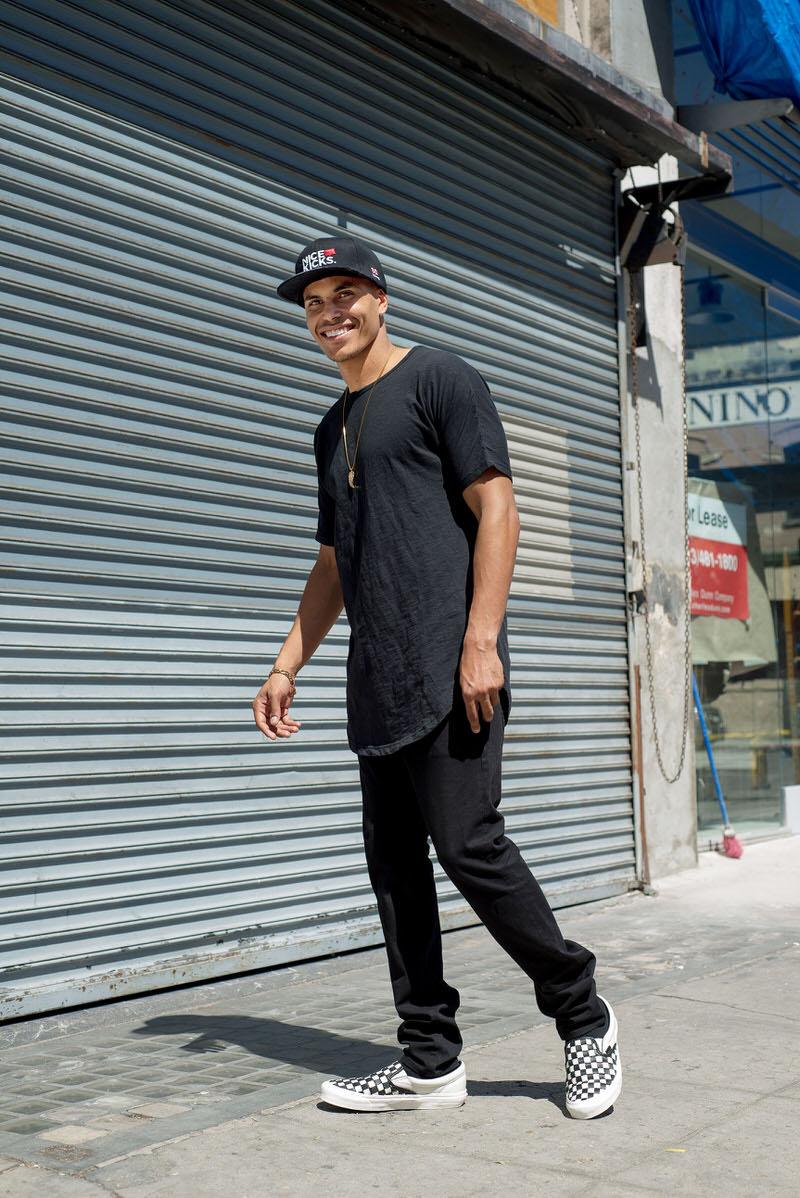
333	309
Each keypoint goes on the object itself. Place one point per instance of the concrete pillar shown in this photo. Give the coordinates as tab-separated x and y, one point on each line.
668	818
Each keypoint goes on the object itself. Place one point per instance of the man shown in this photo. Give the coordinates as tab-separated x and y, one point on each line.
418	534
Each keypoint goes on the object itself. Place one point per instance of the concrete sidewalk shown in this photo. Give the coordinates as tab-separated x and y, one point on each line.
213	1090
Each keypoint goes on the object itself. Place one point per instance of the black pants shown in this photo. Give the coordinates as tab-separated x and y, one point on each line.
447	786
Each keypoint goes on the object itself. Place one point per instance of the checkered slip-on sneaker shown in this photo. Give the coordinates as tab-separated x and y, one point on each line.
594	1072
392	1089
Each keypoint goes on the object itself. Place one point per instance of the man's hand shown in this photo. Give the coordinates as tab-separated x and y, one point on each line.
481	677
271	708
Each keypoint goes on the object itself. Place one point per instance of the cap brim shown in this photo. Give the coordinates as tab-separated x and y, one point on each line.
293	288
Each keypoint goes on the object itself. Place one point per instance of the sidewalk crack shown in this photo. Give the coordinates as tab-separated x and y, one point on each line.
710	1002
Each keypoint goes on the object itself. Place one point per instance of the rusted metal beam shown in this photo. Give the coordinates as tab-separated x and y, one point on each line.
487	46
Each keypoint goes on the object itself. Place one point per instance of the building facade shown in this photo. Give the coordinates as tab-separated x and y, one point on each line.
164	163
743	374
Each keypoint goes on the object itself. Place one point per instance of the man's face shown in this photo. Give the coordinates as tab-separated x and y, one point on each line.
343	315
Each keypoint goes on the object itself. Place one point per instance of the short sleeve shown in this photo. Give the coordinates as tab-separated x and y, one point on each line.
326	519
471	435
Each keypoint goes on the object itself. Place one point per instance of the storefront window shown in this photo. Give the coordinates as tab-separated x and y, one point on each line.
743	397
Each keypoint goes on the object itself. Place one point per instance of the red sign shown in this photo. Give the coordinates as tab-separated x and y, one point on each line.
719	579
718	557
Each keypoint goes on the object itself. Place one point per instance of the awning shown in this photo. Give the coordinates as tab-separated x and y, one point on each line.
752	46
535	63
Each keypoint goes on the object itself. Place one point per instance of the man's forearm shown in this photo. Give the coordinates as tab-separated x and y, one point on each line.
493	567
319	609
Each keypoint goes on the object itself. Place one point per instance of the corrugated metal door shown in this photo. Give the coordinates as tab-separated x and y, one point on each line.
164	162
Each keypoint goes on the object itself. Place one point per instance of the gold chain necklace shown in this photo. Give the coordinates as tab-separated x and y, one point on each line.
351	466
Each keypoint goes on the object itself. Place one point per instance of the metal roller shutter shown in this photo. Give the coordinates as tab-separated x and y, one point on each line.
163	164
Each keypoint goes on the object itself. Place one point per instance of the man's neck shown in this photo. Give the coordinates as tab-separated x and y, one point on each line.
365	369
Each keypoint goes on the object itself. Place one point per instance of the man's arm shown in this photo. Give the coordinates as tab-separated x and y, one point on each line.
491	500
318	611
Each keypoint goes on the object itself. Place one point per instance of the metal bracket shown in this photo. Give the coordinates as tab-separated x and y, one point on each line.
646	237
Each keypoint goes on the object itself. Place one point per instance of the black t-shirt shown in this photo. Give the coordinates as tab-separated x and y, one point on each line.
404	539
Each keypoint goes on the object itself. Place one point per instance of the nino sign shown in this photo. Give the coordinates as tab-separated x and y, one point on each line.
749	404
718	557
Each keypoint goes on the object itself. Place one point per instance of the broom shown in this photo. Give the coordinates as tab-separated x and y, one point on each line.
731	845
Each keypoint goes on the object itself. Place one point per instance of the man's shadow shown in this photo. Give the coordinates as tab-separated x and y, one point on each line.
305	1047
552	1092
315	1050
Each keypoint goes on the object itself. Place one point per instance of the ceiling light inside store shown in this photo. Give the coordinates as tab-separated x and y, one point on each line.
709	297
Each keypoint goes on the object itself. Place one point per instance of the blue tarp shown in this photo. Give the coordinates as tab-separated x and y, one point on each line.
752	46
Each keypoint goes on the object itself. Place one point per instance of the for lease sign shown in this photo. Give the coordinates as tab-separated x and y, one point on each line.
718	556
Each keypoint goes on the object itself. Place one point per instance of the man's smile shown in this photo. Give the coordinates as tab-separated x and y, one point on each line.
339	331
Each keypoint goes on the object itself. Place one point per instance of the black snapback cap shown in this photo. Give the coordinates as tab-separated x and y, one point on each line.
332	256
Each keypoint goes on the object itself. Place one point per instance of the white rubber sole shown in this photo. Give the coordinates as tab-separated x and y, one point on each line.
350	1101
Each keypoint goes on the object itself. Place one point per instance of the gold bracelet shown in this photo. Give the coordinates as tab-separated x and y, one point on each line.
291	677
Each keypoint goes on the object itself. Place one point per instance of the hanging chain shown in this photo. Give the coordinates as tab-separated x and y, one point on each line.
687	577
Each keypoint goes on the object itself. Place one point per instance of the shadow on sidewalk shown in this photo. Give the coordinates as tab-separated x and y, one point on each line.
307	1047
552	1092
316	1050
